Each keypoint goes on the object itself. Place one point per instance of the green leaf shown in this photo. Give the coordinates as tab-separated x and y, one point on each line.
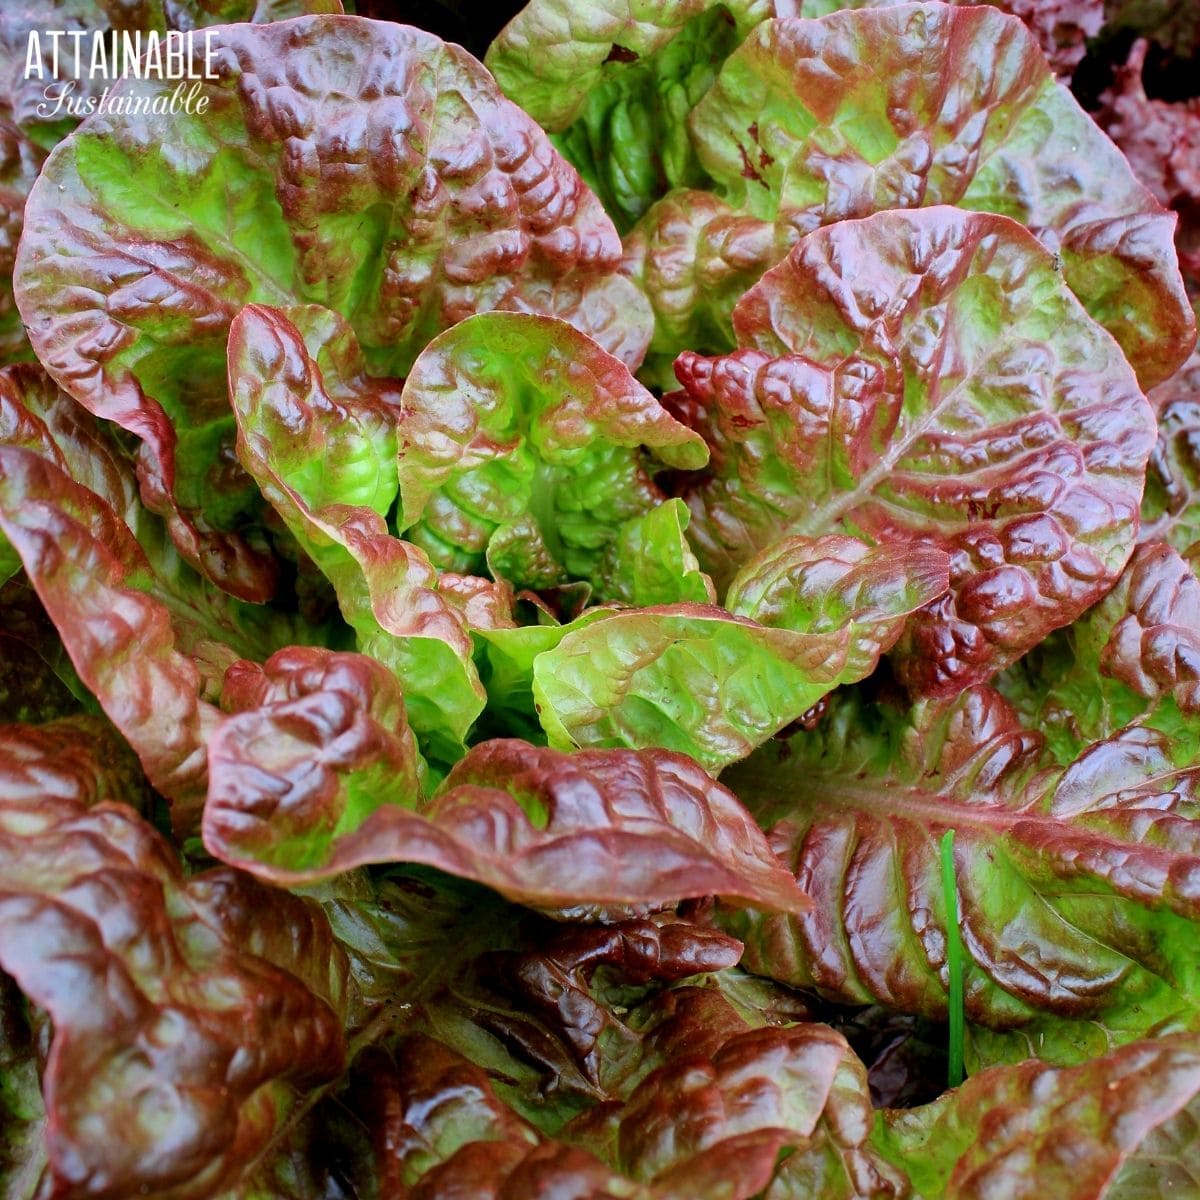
1108	1128
318	437
318	778
714	685
1136	649
926	377
650	562
522	448
812	122
1076	889
365	166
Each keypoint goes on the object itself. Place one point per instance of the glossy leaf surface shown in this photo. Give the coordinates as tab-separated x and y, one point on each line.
185	1012
714	683
952	392
604	828
1126	658
521	448
1075	891
811	122
320	441
1028	1130
390	182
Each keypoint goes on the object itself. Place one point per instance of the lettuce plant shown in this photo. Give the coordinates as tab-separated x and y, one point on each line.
600	623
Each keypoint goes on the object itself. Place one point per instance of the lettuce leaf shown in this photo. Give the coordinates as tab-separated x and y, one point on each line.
926	378
148	637
317	775
1075	887
713	683
320	440
187	1012
812	122
522	449
394	185
1135	652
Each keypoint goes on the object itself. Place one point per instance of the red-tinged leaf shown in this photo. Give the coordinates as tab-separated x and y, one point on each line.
1135	653
186	1013
617	82
37	416
147	636
704	1126
319	742
31	117
571	1035
20	161
79	759
1161	140
441	1132
155	660
1062	27
1171	505
302	788
320	441
694	255
93	580
1155	647
484	603
1076	889
1109	1128
811	122
804	617
903	380
553	982
366	166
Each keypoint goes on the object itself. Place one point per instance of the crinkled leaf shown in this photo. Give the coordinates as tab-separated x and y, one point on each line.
1171	505
319	439
1076	888
555	56
650	562
79	759
319	778
322	738
97	587
31	120
148	637
835	583
518	428
630	137
20	161
1161	141
186	1013
694	255
1106	1128
812	122
1114	665
713	683
37	416
926	377
575	1041
366	166
617	81
711	1123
